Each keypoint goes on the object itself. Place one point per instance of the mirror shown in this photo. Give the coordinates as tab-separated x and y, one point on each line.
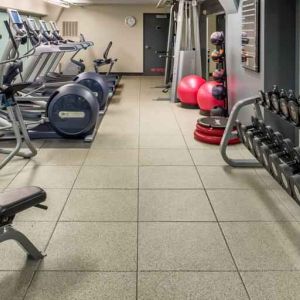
250	34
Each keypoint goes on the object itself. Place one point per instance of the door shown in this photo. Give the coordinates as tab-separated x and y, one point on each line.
156	28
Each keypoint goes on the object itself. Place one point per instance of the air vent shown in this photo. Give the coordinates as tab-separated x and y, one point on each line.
70	28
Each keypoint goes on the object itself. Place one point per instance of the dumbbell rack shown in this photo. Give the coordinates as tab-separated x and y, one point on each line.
282	160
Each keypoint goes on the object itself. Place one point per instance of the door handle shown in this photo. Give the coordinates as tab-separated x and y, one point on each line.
147	47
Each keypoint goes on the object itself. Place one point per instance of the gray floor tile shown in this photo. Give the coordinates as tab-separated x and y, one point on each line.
267	179
91	246
114	124
165	157
56	177
8	173
151	128
98	177
212	157
174	205
117	141
292	206
169	178
13	257
56	198
264	246
162	141
272	285
182	246
194	144
82	285
65	144
13	285
182	285
113	157
101	205
248	205
221	177
59	157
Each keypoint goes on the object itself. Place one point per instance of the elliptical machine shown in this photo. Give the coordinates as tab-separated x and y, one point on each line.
72	111
41	66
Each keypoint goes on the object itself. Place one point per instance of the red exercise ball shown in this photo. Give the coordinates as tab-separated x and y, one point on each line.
188	88
206	99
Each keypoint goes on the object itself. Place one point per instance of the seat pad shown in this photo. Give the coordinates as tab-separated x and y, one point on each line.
17	200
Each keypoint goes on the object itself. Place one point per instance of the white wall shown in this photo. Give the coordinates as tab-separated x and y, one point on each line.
104	23
31	6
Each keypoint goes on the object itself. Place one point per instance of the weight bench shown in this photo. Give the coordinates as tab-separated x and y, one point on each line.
14	202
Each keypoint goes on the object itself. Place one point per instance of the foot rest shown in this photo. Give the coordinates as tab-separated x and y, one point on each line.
17	200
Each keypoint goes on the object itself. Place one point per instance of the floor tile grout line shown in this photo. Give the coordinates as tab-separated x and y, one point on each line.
159	221
219	225
54	229
154	271
138	197
23	167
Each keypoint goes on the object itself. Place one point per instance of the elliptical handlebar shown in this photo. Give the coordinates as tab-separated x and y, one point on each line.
10	34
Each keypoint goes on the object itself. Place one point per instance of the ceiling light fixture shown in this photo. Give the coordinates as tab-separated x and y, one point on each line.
61	3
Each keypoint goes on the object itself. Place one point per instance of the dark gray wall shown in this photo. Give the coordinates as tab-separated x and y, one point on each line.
277	51
297	46
280	45
242	83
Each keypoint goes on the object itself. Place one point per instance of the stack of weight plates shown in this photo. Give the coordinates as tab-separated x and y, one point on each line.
210	130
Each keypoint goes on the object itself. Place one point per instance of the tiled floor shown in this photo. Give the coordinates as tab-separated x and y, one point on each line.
146	212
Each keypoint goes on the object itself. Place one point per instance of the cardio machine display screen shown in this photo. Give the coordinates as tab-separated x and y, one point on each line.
33	24
15	17
46	26
54	26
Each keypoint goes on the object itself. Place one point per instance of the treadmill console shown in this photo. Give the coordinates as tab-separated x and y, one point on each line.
55	31
33	25
15	17
46	31
16	22
34	30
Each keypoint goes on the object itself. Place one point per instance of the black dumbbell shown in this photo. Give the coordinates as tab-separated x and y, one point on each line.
289	168
295	186
262	98
283	102
242	129
275	100
268	103
259	141
294	108
272	99
258	132
272	147
276	159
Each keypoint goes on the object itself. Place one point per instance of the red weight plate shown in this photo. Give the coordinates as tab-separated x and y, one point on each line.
209	131
215	140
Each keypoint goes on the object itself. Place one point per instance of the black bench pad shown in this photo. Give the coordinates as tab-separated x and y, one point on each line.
17	200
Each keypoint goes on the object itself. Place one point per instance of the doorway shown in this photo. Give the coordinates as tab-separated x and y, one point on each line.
156	28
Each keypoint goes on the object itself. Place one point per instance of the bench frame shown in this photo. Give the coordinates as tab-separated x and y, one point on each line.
8	232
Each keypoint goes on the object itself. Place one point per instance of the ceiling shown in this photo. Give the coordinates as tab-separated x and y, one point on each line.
114	1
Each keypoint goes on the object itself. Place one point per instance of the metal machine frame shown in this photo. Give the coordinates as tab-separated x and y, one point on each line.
187	51
239	163
8	232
